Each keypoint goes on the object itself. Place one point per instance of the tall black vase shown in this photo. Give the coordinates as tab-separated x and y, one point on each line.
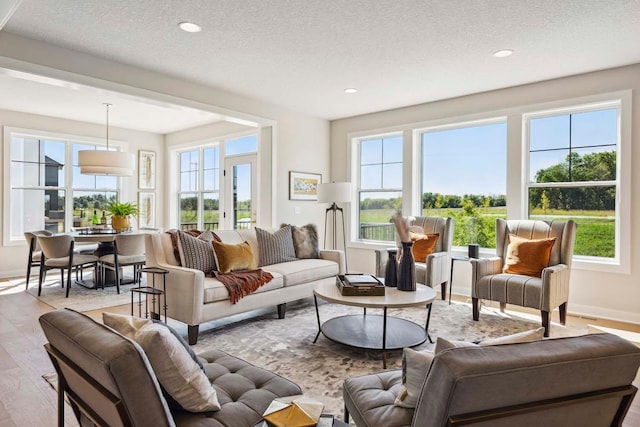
391	271
407	269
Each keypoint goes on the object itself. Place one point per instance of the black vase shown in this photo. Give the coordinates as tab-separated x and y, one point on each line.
407	269
391	272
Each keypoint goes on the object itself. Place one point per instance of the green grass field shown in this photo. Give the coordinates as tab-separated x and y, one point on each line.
595	232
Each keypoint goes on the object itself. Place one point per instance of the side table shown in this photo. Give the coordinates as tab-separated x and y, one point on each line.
453	259
153	292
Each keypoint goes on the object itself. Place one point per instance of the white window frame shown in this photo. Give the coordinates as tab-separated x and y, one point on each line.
621	101
355	179
69	141
200	146
517	174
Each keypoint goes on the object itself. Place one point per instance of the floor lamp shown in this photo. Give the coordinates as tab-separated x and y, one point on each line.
335	192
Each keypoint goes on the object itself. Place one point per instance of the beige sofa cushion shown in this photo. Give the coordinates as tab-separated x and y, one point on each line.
303	270
216	291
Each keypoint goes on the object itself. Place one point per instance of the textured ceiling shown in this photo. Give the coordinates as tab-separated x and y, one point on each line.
303	53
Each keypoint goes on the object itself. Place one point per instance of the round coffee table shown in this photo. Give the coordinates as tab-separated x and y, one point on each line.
376	332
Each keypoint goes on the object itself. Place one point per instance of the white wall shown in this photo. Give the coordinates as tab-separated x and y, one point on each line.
13	258
301	143
592	293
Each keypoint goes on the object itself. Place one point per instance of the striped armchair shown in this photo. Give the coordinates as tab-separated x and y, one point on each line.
437	270
543	293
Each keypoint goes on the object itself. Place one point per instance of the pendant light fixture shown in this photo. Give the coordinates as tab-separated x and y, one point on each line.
99	162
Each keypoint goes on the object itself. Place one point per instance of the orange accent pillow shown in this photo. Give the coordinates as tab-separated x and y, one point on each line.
423	245
233	257
527	257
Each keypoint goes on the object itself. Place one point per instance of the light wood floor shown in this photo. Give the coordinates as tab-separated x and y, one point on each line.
27	400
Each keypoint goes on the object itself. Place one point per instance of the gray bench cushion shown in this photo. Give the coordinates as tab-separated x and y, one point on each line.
244	392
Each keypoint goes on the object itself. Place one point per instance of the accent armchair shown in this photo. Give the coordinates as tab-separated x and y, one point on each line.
437	268
544	293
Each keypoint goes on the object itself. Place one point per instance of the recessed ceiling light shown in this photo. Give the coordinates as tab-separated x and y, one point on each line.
503	53
350	90
190	27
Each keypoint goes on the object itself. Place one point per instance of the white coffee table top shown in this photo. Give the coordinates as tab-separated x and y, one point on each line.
393	298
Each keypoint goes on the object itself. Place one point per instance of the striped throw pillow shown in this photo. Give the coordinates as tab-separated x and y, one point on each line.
275	247
197	252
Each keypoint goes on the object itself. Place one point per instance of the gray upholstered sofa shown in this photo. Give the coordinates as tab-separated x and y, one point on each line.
109	381
578	381
194	299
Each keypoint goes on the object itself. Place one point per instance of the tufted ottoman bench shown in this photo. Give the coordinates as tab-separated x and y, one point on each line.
244	391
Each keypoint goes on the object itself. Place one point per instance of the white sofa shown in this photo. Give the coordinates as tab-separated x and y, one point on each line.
193	298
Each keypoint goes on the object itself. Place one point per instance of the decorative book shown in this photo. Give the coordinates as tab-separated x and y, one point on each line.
361	280
300	412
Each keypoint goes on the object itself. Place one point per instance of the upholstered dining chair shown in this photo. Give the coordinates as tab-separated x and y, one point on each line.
436	269
491	280
58	253
35	252
128	250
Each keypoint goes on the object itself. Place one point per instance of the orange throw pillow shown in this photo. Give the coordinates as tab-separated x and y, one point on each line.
527	257
423	245
233	257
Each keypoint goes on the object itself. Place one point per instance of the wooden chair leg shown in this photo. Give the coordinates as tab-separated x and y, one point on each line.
503	306
40	278
563	313
476	308
28	272
443	290
545	322
192	333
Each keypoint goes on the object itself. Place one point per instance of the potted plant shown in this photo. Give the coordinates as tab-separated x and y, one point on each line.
120	212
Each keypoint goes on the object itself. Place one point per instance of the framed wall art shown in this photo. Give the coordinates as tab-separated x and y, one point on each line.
304	186
147	206
146	170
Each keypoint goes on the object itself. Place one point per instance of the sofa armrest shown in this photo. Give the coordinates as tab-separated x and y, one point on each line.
438	268
185	293
336	256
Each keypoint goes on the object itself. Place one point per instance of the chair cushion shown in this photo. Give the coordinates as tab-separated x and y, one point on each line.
123	259
370	398
64	261
244	392
275	247
527	257
233	257
423	245
512	289
178	373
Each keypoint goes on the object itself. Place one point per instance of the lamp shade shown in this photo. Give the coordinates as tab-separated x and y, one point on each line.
116	163
334	192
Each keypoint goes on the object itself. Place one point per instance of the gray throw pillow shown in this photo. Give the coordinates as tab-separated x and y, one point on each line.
275	247
197	252
305	241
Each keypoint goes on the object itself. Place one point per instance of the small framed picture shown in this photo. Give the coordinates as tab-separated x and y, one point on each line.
147	207
146	170
304	186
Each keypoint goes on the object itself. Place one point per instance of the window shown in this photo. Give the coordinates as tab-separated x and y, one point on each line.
41	182
199	192
199	181
379	186
573	157
464	176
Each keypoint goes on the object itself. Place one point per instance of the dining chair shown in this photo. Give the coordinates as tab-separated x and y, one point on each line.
35	252
57	253
128	250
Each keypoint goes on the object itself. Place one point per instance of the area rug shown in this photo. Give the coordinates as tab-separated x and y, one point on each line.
81	298
286	346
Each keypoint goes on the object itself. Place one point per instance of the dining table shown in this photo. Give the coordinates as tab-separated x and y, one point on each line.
104	238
